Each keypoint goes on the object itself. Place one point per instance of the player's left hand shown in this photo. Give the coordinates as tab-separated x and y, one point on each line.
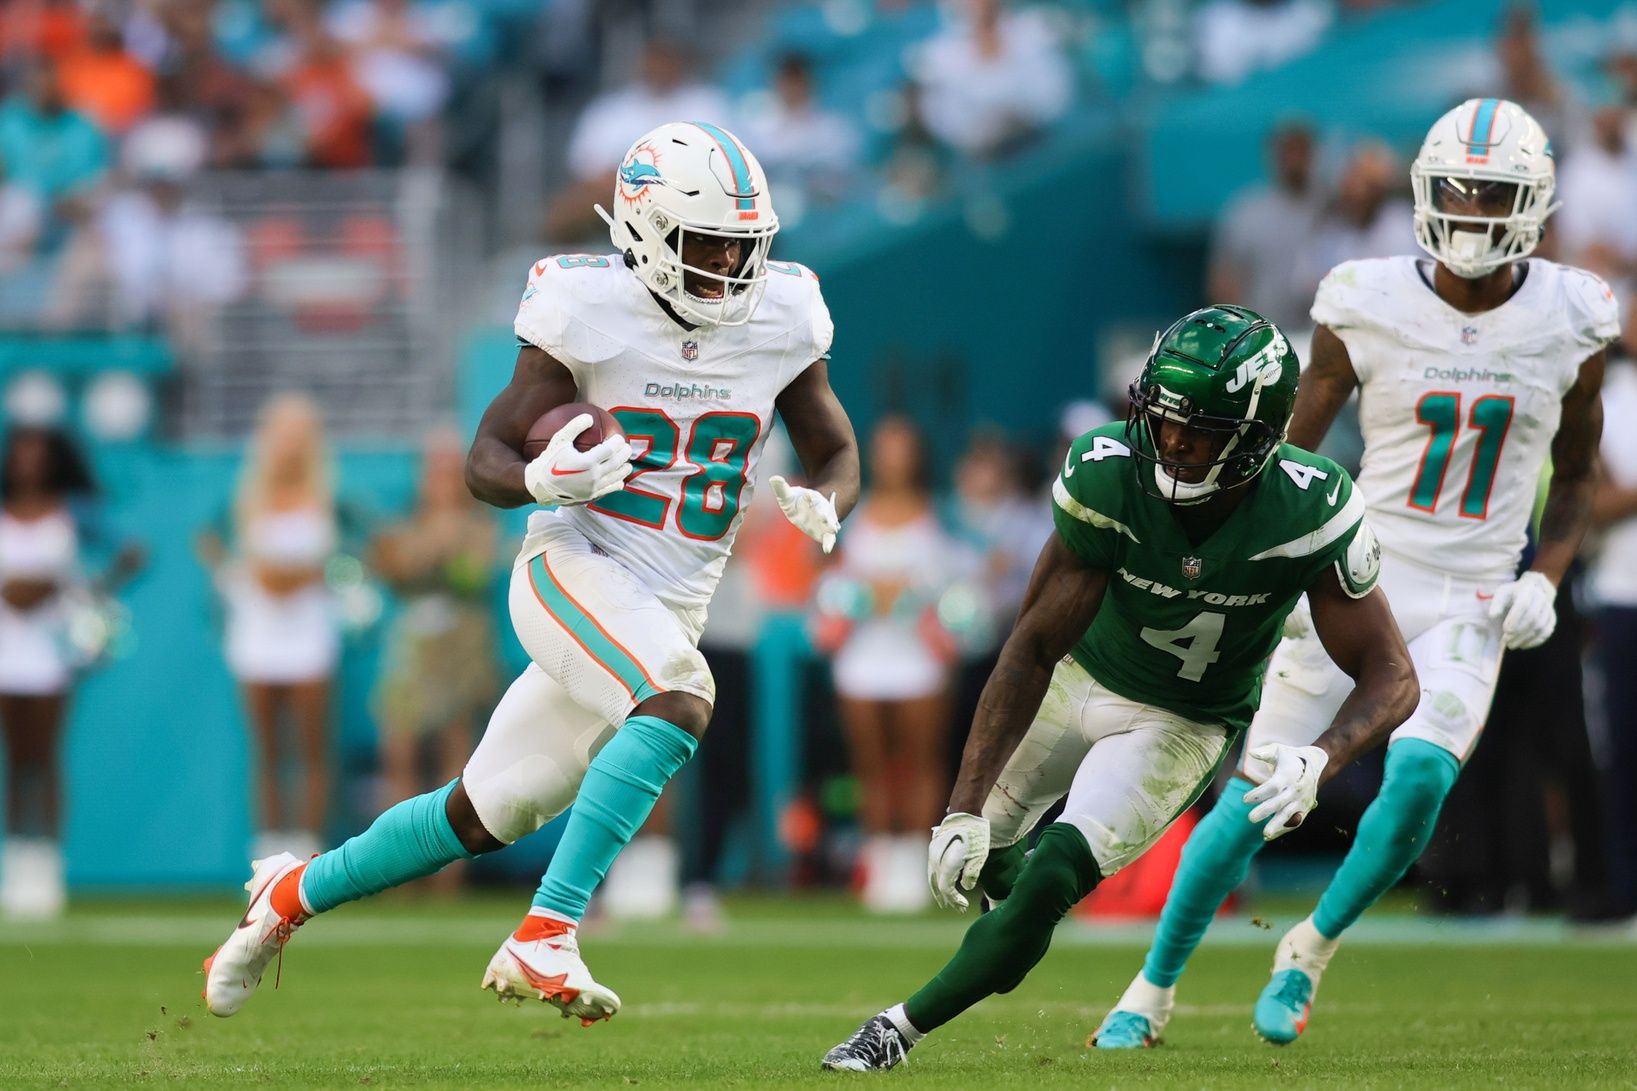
1527	609
812	513
1291	791
960	845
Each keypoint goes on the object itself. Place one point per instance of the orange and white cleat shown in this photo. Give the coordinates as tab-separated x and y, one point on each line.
234	971
542	960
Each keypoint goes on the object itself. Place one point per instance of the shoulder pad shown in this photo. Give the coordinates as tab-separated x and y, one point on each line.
793	289
1592	311
1348	293
561	288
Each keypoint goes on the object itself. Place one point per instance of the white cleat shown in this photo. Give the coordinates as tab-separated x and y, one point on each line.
234	971
542	960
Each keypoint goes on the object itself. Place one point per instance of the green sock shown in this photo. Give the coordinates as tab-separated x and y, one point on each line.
1002	946
1000	871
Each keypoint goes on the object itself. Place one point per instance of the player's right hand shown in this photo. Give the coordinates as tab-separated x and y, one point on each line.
960	845
1290	791
563	474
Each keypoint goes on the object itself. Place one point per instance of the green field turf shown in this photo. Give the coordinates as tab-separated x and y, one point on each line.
386	995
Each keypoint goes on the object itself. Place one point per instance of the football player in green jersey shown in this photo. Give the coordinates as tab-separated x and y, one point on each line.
1184	537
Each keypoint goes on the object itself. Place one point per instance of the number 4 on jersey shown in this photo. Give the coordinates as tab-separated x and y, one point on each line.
1101	447
1195	643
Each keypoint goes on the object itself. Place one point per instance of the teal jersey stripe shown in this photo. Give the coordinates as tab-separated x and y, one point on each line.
585	632
745	189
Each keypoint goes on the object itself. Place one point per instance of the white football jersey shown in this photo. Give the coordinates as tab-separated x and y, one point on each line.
696	406
1458	410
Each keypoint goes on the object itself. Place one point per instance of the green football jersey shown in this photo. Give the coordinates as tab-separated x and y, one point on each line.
1190	627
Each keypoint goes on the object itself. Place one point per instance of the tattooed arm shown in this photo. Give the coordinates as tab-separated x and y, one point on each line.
1363	640
1568	511
1327	382
1063	597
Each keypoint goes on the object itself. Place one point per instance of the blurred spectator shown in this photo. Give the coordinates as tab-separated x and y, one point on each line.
397	48
877	612
665	90
1367	219
1598	187
21	219
1238	37
102	80
989	83
1004	528
201	83
31	29
437	676
54	154
1526	79
914	168
167	262
799	144
333	111
44	488
1250	260
1003	524
283	638
1613	583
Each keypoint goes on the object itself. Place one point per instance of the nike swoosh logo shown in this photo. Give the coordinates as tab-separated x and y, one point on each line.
1335	492
1483	597
244	921
555	472
539	268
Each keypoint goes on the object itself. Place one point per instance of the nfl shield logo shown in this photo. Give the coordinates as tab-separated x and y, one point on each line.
1469	335
690	350
1191	567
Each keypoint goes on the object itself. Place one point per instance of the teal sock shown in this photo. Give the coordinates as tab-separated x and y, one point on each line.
1003	945
620	789
1214	862
410	840
1392	833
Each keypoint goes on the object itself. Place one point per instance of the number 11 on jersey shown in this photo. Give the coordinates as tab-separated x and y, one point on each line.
1441	411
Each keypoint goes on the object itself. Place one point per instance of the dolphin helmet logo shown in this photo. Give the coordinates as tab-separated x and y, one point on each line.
640	174
639	171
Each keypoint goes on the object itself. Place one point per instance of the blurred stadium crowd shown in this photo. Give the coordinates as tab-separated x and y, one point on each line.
303	197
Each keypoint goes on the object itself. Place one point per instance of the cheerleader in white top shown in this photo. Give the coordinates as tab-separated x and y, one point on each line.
283	635
42	478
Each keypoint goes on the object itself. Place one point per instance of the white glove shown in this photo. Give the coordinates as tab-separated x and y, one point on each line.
1527	608
960	845
1290	791
562	474
812	512
1299	622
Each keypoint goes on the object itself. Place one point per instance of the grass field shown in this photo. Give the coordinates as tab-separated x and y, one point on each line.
385	995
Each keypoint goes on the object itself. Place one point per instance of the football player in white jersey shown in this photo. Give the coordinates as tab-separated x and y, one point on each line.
1472	370
694	340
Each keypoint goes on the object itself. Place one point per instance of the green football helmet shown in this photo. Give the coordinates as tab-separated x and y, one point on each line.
1224	371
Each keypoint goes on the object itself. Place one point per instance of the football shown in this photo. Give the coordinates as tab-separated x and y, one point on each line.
551	422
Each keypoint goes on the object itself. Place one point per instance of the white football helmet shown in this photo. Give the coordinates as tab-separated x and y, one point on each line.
1482	144
694	178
